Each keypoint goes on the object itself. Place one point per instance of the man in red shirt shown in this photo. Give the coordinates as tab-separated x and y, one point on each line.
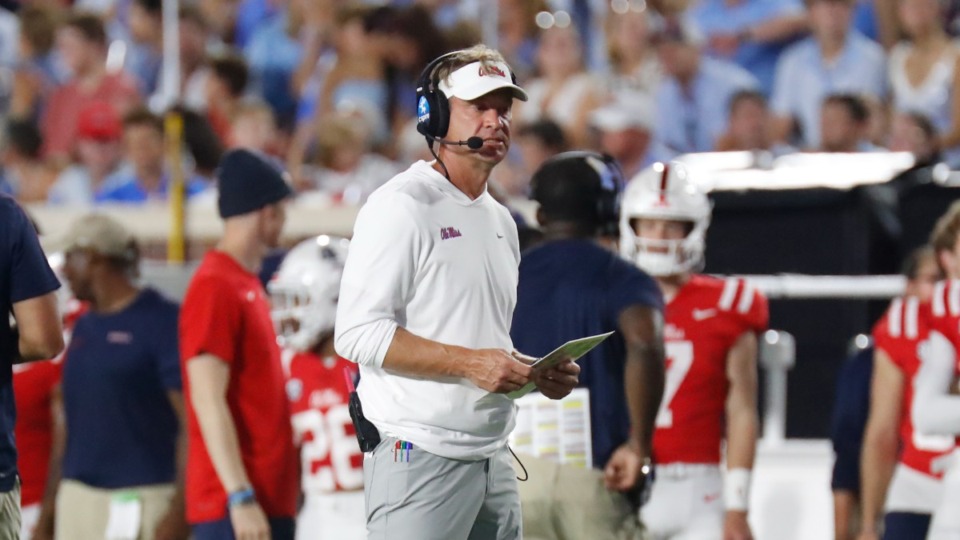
710	338
241	465
82	43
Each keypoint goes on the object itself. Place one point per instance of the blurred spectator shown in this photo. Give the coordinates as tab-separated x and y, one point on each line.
145	56
626	130
407	39
536	143
924	73
202	143
749	125
9	27
147	178
254	127
194	37
35	75
82	44
356	75
274	51
220	17
914	133
98	156
564	92
751	33
252	15
878	125
634	64
225	87
28	175
518	33
693	99
843	124
347	170
122	398
835	59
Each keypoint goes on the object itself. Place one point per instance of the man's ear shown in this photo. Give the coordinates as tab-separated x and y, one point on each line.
542	217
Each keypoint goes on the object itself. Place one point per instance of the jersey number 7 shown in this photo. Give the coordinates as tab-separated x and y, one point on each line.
679	361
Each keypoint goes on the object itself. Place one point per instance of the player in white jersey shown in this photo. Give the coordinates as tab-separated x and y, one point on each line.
304	294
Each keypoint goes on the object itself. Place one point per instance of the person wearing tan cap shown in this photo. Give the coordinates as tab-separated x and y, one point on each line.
122	400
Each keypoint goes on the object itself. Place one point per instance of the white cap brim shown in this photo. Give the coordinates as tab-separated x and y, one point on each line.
475	80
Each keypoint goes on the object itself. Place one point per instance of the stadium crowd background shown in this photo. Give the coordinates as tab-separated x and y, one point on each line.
327	86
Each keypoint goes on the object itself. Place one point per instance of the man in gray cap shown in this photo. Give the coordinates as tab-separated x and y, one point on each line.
242	467
121	392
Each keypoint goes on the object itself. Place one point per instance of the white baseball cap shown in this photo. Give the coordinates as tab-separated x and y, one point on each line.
479	79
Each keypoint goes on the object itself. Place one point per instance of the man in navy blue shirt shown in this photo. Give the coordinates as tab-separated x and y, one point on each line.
122	395
27	286
572	286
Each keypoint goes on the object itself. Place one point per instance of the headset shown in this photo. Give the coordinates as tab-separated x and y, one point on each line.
608	190
433	107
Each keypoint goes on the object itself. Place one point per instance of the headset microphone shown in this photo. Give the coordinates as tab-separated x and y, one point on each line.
473	143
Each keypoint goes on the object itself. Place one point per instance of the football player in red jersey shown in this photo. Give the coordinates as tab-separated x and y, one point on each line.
304	295
711	347
901	467
936	407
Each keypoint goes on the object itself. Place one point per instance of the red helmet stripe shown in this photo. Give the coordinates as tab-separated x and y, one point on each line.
663	182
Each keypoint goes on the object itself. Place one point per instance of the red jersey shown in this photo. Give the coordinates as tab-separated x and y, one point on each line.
943	316
703	322
33	385
225	313
330	457
899	334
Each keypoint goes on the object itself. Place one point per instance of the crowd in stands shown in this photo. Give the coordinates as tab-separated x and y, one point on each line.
327	86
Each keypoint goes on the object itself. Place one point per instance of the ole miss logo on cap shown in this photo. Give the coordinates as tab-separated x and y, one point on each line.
491	71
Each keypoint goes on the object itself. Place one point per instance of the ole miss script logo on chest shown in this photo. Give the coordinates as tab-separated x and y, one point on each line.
447	233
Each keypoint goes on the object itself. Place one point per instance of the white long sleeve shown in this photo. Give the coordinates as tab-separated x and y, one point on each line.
377	279
427	258
935	411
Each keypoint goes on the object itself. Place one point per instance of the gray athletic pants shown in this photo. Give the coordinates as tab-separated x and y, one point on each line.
412	494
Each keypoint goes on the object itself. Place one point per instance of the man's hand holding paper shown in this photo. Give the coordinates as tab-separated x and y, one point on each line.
557	373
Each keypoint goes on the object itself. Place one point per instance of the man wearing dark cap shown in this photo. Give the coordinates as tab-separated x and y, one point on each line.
571	286
241	466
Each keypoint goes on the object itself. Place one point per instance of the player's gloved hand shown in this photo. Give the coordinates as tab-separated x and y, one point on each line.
735	526
249	522
623	469
495	370
558	381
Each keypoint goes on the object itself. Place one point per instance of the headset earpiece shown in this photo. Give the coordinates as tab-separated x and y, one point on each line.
433	107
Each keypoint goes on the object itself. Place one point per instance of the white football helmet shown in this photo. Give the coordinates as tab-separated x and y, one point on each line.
305	289
664	191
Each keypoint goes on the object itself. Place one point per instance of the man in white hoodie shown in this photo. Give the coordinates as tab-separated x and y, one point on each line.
426	303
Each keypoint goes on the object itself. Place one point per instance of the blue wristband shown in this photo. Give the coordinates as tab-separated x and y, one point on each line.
241	496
